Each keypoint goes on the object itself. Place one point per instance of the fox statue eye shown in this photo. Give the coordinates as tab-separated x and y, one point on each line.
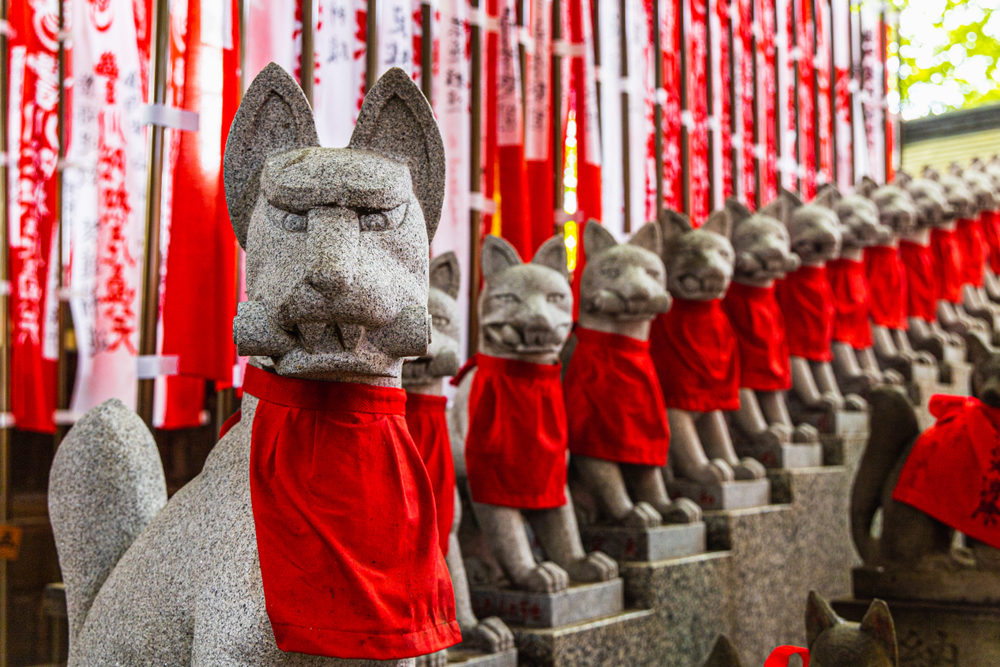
506	298
382	221
440	322
293	222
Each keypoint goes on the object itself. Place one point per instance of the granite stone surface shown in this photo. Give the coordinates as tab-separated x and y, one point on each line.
625	639
968	586
723	495
645	544
571	605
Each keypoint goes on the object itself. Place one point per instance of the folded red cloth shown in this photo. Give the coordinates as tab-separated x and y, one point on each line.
972	249
515	451
990	221
696	356
921	280
345	521
760	331
428	424
806	301
851	324
947	264
887	287
614	402
953	470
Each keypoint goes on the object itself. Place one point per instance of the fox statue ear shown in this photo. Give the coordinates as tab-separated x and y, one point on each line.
597	239
867	186
878	625
273	117
737	211
719	222
397	122
498	255
673	224
552	254
827	196
777	209
723	654
819	617
648	237
902	178
445	274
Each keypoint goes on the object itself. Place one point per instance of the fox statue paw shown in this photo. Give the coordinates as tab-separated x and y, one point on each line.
642	515
680	511
547	577
593	567
490	635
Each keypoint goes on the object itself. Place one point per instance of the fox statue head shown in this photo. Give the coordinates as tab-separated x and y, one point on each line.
896	209
834	642
699	260
814	228
441	359
336	238
761	242
861	225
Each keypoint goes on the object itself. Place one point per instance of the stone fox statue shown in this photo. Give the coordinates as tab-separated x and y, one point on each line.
427	420
509	413
929	485
337	281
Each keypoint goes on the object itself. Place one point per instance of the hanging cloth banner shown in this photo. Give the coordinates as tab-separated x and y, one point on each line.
842	84
339	85
767	136
583	101
612	148
787	126
804	37
721	121
746	133
538	122
696	43
395	35
873	90
670	45
271	37
642	127
33	142
104	203
143	11
824	101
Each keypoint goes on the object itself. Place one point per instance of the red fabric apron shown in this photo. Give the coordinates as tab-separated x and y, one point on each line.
760	331
887	287
781	656
696	356
428	424
947	265
515	451
972	249
990	221
613	400
921	280
852	302
806	301
345	521
953	470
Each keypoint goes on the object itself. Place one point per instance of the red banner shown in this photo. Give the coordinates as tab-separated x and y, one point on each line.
824	77
723	102
696	39
804	33
767	101
670	50
538	124
743	39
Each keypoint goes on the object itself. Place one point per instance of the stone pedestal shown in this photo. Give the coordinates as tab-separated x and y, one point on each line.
645	544
460	658
624	639
954	353
787	456
955	378
724	495
576	604
933	634
977	587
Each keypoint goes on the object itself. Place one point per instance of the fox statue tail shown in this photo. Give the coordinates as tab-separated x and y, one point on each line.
893	428
105	486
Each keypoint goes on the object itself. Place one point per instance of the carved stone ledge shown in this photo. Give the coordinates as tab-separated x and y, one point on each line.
645	544
576	604
724	495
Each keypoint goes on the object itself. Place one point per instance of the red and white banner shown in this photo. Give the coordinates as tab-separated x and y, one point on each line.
788	166
696	116
104	202
271	37
824	78
395	29
33	140
804	34
843	84
538	120
582	100
721	120
743	104
641	129
339	76
766	151
873	90
612	145
670	96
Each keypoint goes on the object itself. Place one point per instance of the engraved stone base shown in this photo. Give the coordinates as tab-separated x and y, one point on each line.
977	587
938	634
576	604
723	496
839	422
462	658
645	544
624	639
787	456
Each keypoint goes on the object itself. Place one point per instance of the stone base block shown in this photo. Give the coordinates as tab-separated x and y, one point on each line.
723	496
788	456
461	658
576	604
973	587
955	378
954	354
839	422
645	544
624	639
931	634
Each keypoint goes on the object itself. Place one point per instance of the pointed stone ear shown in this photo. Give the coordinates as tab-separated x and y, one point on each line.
867	186
648	237
878	624
498	255
396	121
978	348
955	169
791	198
719	222
819	617
445	274
931	173
827	196
777	209
597	239
724	654
737	211
902	178
674	224
273	117
552	254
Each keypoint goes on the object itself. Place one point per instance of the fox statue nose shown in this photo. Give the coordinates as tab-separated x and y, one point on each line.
334	237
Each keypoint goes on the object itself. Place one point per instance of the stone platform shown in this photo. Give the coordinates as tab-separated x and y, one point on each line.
723	495
578	603
460	658
645	544
787	456
975	587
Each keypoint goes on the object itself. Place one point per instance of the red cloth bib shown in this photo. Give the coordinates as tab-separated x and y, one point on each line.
852	302
515	452
696	356
972	249
953	470
947	265
345	521
806	301
887	287
760	331
781	656
921	280
990	222
428	424
613	400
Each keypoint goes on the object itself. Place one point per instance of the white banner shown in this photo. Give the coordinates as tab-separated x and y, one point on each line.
612	170
510	125
873	90
640	110
395	35
538	126
339	84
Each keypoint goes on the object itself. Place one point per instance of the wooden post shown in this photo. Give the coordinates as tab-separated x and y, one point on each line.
475	170
307	59
794	64
711	106
4	324
427	51
623	70
685	130
62	313
371	46
154	184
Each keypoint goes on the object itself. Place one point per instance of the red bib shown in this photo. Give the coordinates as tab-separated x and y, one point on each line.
972	249
887	287
760	332
953	470
428	424
696	356
807	303
990	221
947	265
613	400
515	452
345	521
852	302
921	280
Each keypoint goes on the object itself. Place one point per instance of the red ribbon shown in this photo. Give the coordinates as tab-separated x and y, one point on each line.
781	656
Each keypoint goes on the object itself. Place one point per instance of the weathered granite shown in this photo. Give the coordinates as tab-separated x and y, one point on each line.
785	455
625	543
723	495
844	423
575	604
625	639
460	658
952	586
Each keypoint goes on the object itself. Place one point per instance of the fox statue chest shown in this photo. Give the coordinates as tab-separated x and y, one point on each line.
807	303
852	301
887	284
760	329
